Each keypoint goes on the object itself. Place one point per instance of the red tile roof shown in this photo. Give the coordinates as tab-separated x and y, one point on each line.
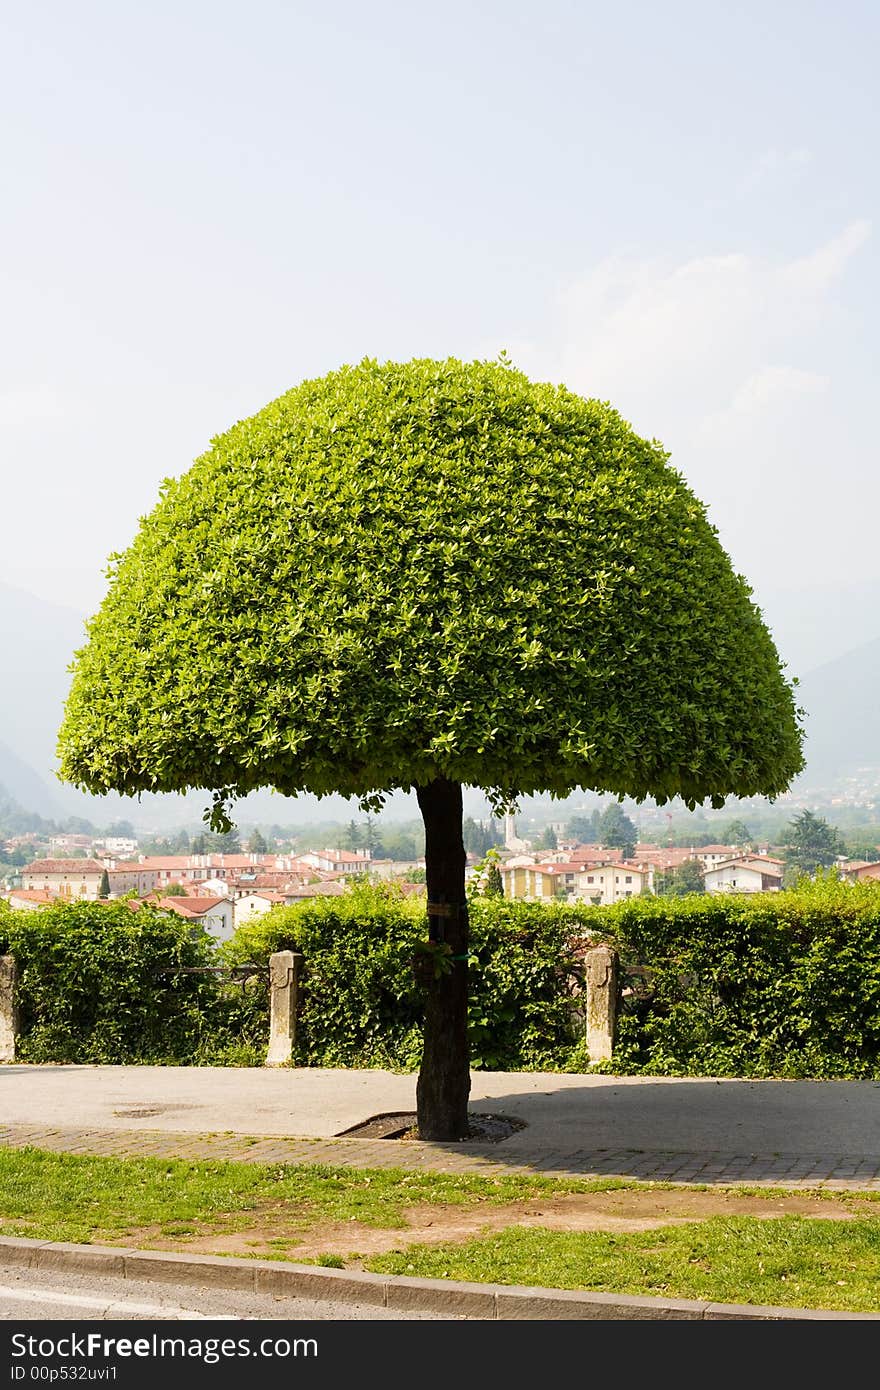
63	866
190	907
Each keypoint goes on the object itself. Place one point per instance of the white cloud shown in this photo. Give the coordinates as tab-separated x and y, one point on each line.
773	165
672	345
814	273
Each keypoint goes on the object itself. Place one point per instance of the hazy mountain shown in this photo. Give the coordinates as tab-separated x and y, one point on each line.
38	640
842	702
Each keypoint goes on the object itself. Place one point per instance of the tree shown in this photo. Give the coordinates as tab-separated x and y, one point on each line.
256	842
104	886
423	576
494	887
584	829
617	831
122	829
350	838
810	843
682	879
547	839
738	833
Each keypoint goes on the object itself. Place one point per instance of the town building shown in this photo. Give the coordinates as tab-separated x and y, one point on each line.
755	873
64	878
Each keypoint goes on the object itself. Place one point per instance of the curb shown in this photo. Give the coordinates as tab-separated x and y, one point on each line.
502	1302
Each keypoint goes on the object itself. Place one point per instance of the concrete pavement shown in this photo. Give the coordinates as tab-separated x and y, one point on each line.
791	1133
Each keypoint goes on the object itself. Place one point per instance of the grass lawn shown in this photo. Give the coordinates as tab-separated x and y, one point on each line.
58	1196
806	1260
787	1261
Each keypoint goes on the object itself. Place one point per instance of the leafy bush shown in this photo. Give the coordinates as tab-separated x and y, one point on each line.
90	988
775	985
783	984
361	1005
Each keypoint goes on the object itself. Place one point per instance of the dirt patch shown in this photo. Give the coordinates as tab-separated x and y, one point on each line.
627	1210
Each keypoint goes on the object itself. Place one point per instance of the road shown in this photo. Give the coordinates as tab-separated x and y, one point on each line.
27	1294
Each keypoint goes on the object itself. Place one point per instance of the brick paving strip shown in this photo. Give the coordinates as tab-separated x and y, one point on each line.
846	1172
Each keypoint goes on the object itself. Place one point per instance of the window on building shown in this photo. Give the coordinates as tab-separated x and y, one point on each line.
628	879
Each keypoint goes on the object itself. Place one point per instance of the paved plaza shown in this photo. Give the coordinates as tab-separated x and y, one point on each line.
694	1130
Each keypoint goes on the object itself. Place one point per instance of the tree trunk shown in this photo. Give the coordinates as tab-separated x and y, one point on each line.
444	1079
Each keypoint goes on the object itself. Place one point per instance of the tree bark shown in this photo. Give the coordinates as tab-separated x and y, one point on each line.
444	1079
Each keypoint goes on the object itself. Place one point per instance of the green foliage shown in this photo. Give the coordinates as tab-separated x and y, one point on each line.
90	990
811	843
584	829
104	887
773	984
680	881
257	842
405	570
737	833
363	1007
616	830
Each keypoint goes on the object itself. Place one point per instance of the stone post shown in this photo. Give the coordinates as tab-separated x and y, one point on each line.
601	973
8	1008
284	973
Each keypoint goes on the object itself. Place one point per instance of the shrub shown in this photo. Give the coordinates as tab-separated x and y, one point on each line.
783	984
90	988
361	1005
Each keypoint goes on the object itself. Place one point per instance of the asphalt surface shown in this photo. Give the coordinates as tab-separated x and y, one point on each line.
27	1294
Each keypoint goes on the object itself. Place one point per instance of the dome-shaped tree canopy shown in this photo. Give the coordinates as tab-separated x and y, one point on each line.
433	569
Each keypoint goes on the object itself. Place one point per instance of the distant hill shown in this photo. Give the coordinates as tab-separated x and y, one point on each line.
38	640
842	702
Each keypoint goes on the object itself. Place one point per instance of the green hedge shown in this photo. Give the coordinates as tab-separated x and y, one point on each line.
90	988
362	1007
775	985
778	985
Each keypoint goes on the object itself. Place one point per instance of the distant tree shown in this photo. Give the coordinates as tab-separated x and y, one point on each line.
547	839
180	842
199	844
810	843
104	886
350	838
861	848
584	829
494	887
616	830
174	890
256	843
683	879
222	842
737	833
123	829
473	836
76	825
400	845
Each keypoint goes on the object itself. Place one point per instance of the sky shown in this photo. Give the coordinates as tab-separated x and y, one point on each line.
670	207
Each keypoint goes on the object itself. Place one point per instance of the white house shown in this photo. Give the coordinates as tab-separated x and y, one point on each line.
251	905
756	873
216	915
338	861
